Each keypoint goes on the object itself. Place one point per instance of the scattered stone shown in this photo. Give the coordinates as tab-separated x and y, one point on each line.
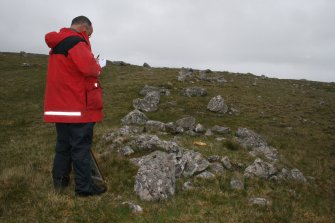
199	128
205	175
126	151
155	179
146	65
217	105
147	89
149	103
120	63
191	133
194	92
249	139
135	208
26	65
259	201
186	123
221	80
260	169
297	175
268	151
220	129
216	168
154	126
226	163
188	185
173	128
237	184
220	139
213	158
194	163
134	118
208	132
184	73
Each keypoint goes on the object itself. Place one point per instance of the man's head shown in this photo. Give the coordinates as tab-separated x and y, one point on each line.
82	24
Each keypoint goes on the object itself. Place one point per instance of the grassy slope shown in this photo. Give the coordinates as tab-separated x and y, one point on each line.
288	114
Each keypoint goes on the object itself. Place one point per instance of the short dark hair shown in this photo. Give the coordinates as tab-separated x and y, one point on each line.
80	20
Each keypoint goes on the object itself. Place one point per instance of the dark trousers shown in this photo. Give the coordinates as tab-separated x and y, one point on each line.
73	146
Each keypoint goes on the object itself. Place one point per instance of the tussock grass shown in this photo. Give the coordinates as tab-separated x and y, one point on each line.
296	117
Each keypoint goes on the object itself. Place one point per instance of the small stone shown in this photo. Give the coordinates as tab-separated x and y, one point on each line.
134	207
216	168
205	175
220	129
188	185
213	158
297	175
217	105
146	65
126	151
237	184
187	123
259	201
199	128
226	163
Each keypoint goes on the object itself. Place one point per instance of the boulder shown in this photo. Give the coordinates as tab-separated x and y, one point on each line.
267	151
146	65
220	129
155	179
147	89
260	169
226	163
187	123
249	139
213	158
135	208
154	126
217	105
194	92
134	118
194	163
149	103
216	168
199	128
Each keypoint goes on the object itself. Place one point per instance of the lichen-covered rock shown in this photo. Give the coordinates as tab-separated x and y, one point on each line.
220	129
260	169
226	163
267	151
187	123
297	175
199	128
134	118
154	126
205	175
194	163
147	89
259	201
216	168
249	139
237	184
194	92
155	179
217	104
149	103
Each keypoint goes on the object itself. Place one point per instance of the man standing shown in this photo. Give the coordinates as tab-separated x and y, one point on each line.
73	100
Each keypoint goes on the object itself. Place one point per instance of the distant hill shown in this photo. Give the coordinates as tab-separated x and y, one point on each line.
296	117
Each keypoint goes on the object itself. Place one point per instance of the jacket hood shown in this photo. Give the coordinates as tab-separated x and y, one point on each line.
53	38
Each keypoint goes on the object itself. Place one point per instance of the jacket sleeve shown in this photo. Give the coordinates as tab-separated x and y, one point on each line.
84	60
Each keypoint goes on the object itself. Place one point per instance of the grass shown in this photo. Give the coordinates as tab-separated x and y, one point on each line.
297	117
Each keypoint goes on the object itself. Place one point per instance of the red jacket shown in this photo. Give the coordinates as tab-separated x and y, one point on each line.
73	93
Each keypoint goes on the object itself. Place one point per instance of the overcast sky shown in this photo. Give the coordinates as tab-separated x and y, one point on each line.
292	39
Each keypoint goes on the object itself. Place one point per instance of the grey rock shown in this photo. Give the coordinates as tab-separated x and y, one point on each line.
191	133
134	118
260	169
269	152
208	132
149	103
216	168
188	185
298	175
205	175
146	65
154	126
221	80
126	151
217	104
194	163
213	158
259	201
220	139
187	123
135	208
194	92
237	184
249	139
26	65
199	128
155	179
147	89
220	129
226	163
173	128
184	73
